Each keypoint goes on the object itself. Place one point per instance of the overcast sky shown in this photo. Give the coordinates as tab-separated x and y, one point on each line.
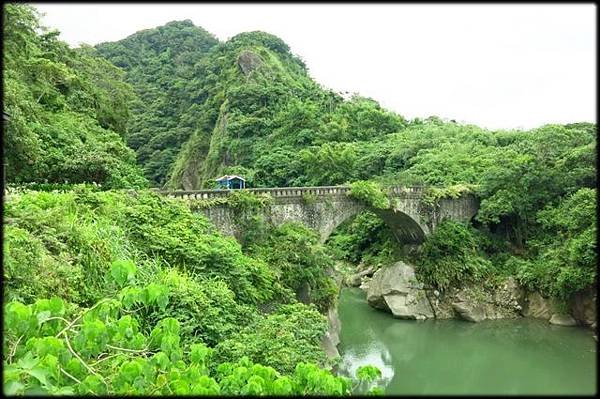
497	66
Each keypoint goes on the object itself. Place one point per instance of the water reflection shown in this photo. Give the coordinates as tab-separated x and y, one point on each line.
375	355
453	357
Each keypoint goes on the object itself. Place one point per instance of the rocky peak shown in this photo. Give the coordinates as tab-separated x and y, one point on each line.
248	62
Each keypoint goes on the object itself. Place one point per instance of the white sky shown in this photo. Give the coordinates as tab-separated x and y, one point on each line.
497	66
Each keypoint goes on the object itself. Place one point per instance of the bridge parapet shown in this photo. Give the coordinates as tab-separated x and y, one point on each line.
277	192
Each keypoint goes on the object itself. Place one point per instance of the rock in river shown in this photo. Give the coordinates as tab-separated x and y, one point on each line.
395	288
563	320
469	311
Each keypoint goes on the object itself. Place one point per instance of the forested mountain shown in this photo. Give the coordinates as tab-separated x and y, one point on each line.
159	64
250	104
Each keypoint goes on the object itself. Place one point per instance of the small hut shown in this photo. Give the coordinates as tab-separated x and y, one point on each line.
231	182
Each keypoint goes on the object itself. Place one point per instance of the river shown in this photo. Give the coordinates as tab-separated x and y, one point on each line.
500	357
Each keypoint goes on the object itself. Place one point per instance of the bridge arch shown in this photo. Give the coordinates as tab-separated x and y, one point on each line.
406	228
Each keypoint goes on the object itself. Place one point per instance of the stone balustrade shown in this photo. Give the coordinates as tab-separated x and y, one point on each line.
287	192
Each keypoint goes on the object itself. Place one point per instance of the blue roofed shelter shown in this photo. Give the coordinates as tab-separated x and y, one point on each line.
231	182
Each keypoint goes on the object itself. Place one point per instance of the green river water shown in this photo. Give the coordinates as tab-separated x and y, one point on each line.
501	357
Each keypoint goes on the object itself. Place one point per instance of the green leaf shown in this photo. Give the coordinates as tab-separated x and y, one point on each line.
122	271
18	317
92	385
282	386
40	374
161	360
43	316
28	361
57	306
153	290
198	353
13	388
163	300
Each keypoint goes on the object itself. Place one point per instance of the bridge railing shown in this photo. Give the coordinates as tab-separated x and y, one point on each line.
278	192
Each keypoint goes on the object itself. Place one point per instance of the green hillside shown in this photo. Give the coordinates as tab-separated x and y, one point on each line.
160	65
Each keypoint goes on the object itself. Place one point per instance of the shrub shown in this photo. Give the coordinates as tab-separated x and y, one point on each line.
451	257
296	256
116	357
281	340
206	309
370	193
433	195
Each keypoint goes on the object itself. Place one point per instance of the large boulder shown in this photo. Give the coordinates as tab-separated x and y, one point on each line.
249	61
366	281
394	288
561	319
470	311
539	307
355	280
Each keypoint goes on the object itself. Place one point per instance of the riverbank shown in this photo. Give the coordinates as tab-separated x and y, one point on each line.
519	356
395	289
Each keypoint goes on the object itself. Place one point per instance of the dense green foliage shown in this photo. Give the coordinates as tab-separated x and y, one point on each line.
68	109
123	291
154	260
300	260
564	252
451	256
105	350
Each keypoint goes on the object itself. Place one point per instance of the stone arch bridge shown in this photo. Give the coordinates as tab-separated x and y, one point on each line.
325	208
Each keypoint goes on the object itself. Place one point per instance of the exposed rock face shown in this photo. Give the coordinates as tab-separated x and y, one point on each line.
354	280
584	307
331	339
303	293
396	289
248	62
470	311
563	320
475	303
539	307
